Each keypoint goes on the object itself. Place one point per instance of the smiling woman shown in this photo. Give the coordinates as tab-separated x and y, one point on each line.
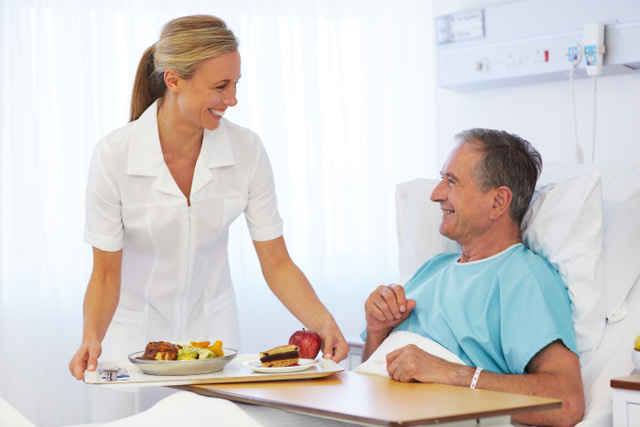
160	258
337	93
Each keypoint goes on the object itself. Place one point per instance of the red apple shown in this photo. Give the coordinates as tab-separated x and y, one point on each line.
308	342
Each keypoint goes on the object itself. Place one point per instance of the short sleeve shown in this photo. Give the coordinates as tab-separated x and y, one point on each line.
261	213
103	220
534	313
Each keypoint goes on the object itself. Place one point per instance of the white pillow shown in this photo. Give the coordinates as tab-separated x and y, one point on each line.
376	364
621	185
621	204
563	224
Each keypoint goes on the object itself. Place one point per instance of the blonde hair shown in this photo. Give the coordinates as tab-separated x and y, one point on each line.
184	42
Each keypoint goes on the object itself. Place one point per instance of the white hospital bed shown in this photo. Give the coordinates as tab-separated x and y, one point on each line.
586	221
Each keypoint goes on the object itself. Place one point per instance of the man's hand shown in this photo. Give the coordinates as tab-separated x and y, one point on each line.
411	363
386	308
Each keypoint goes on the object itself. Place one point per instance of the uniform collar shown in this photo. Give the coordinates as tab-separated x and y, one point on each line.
146	159
145	154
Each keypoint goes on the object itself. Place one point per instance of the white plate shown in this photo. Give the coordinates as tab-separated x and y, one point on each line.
256	366
183	367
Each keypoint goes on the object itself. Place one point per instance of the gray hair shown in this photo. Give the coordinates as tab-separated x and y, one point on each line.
508	160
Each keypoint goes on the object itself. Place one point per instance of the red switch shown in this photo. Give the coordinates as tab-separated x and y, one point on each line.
546	56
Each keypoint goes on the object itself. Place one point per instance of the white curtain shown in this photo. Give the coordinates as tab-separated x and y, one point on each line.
340	92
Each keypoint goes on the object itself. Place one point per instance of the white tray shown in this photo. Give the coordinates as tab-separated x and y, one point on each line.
234	372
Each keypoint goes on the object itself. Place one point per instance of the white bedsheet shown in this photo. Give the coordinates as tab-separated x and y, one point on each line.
612	359
185	408
377	362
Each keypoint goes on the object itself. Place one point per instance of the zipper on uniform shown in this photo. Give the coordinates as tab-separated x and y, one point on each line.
186	288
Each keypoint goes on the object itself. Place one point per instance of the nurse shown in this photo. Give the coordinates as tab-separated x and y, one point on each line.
162	193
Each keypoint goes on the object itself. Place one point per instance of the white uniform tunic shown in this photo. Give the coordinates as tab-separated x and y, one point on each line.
176	283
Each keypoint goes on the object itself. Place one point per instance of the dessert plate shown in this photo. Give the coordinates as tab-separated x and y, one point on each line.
256	366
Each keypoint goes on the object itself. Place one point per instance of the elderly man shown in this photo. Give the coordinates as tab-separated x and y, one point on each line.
498	306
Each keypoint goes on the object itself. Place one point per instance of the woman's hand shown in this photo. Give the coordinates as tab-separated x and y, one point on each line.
85	359
334	346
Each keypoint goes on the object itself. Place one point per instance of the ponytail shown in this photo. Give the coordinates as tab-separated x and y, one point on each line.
147	86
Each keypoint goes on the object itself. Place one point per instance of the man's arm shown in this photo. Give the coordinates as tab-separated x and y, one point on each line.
553	372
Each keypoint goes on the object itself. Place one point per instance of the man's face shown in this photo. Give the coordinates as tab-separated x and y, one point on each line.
465	209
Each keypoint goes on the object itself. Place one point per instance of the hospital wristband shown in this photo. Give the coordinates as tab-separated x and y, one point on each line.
474	381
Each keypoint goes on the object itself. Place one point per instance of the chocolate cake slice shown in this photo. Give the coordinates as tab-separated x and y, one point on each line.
281	356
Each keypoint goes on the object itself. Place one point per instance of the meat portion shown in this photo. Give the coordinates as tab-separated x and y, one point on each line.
161	350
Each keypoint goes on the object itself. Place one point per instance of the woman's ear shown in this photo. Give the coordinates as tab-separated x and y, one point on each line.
172	80
501	201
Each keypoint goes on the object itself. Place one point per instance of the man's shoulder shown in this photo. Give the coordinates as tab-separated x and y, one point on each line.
523	254
525	262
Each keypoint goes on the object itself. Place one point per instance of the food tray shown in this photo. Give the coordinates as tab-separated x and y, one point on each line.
233	372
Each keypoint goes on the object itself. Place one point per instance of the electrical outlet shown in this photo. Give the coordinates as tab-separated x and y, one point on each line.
594	49
574	54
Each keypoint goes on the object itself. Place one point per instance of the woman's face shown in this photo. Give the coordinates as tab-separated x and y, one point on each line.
204	98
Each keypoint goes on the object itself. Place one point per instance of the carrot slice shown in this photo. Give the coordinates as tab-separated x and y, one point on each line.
201	344
216	348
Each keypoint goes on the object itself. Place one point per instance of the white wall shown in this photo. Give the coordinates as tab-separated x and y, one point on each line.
542	113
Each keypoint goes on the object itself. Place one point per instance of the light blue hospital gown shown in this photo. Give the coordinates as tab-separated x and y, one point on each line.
495	313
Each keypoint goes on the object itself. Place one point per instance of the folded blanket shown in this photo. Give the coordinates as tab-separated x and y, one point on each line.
377	363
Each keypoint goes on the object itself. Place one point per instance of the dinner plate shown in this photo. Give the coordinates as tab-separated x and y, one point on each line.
256	366
183	367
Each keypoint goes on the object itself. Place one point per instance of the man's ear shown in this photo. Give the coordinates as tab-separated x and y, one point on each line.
502	198
172	80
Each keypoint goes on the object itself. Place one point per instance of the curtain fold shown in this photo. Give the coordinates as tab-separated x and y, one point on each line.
340	91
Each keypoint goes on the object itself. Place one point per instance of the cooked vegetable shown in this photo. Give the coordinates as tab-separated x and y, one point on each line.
188	352
202	344
216	348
